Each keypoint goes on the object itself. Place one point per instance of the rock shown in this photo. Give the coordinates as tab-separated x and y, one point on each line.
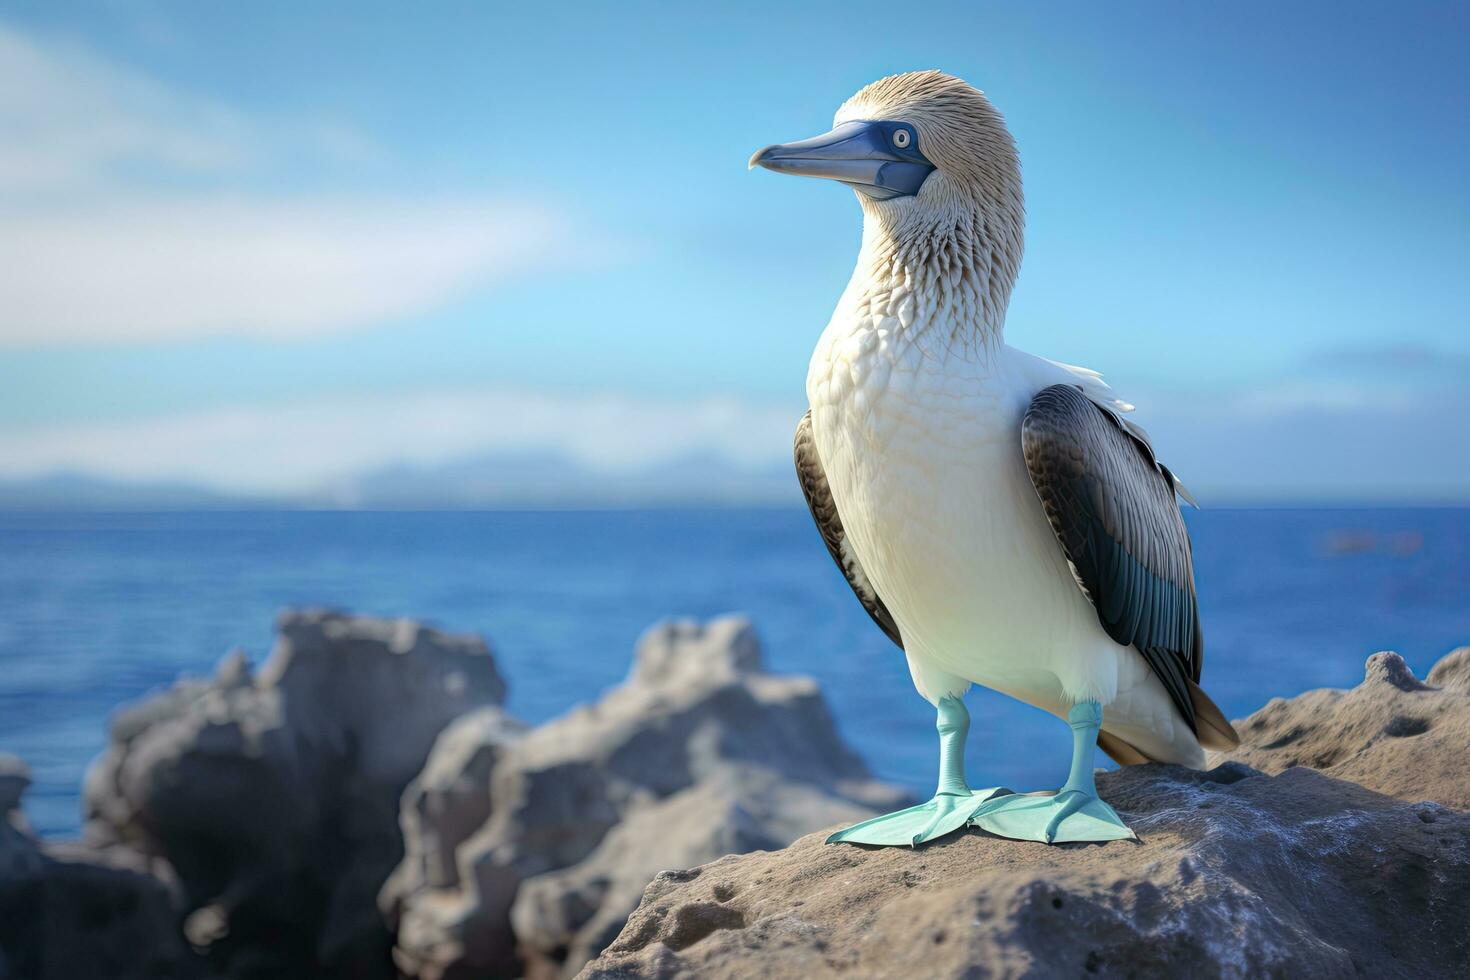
1452	671
65	919
422	901
1237	874
20	852
66	913
275	797
1391	733
15	779
569	916
1259	867
699	753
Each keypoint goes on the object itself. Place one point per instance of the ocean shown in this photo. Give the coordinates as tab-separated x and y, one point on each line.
97	610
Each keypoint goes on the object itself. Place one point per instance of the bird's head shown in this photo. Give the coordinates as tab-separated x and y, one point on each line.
921	149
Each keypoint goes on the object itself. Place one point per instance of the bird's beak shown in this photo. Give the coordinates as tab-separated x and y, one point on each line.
861	154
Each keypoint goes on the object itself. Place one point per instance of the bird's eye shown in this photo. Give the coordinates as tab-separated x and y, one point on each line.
901	138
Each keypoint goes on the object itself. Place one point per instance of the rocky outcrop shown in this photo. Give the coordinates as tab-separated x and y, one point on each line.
15	779
1238	872
275	796
20	853
66	913
428	902
1392	733
258	817
699	753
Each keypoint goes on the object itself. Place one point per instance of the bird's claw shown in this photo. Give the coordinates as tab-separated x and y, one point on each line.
950	813
1064	805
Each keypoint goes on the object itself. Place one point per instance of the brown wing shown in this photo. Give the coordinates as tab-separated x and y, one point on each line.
1111	504
819	501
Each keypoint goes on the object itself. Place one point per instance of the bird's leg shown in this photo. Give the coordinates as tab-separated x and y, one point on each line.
953	725
1078	794
953	801
1075	813
1085	720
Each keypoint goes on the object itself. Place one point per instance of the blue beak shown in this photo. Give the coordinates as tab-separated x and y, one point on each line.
879	159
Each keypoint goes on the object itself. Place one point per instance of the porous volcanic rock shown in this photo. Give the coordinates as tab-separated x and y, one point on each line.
275	796
699	753
1237	872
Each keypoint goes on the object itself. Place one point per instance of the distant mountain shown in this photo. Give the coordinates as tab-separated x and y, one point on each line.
502	480
551	480
80	491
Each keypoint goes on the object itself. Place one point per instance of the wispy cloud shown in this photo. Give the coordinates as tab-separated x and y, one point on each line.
303	447
1394	361
1265	402
1312	441
170	268
1228	446
77	122
133	212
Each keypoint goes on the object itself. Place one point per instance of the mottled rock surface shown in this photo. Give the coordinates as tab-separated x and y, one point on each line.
275	797
1295	875
699	753
1392	733
1237	873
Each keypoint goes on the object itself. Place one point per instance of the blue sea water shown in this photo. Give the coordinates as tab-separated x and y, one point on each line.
100	609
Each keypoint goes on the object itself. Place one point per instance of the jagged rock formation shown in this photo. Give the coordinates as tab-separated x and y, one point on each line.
275	797
432	907
65	913
258	817
699	753
1238	873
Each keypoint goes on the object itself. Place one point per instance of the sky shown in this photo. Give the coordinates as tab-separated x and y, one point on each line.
263	247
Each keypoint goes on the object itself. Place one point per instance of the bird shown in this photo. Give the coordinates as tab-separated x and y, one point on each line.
994	511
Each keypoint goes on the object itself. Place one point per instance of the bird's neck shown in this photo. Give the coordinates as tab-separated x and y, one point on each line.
944	288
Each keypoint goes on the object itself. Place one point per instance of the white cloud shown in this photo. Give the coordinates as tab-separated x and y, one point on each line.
131	212
169	268
1226	447
1311	440
302	447
76	122
1309	394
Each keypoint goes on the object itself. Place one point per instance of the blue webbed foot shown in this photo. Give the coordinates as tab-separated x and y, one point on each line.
944	814
1071	815
1075	813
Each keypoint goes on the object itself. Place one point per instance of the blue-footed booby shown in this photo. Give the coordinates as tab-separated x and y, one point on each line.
994	512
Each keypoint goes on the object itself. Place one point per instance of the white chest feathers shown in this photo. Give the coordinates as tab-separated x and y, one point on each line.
922	451
882	397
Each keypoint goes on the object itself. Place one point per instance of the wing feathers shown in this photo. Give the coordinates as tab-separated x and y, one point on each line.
1112	506
1123	753
813	480
1215	730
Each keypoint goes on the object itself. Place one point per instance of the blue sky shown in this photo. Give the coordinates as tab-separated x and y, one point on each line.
263	247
